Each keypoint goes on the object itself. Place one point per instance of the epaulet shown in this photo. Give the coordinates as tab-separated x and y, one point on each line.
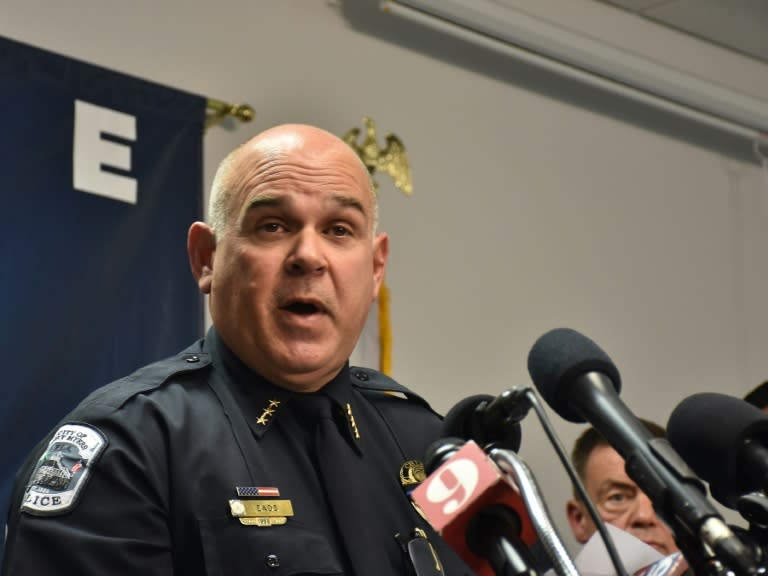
149	377
368	379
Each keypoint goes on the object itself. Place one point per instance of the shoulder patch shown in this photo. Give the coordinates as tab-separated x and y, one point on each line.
63	470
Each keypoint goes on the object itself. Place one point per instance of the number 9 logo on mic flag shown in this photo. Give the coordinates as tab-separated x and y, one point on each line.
454	484
458	487
466	483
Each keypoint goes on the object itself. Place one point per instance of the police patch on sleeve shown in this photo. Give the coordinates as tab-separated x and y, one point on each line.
63	470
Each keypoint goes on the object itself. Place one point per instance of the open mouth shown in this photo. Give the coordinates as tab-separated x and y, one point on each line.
303	308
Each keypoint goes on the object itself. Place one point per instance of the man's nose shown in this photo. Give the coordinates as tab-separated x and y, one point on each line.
643	513
306	254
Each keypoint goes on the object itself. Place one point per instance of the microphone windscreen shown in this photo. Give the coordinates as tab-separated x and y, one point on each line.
708	430
441	450
466	420
558	359
460	420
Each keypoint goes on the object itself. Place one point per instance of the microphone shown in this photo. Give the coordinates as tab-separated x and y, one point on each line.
475	509
581	383
494	422
725	440
485	419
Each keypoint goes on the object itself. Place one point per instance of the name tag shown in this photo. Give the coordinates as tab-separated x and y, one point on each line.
260	508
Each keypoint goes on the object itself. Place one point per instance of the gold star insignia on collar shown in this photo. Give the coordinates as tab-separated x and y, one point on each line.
267	412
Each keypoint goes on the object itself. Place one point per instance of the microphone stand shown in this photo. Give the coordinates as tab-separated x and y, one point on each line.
546	425
518	473
753	507
491	534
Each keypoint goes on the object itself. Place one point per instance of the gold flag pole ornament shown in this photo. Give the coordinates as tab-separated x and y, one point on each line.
217	110
393	160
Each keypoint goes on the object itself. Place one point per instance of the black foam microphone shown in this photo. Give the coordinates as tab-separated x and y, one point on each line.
485	419
580	382
725	440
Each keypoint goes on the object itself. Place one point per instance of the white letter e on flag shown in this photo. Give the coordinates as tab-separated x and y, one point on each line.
91	152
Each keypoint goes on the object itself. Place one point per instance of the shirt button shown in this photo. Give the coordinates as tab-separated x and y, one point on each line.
192	358
362	376
271	561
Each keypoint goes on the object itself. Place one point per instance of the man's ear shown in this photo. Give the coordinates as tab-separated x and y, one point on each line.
380	254
580	521
201	246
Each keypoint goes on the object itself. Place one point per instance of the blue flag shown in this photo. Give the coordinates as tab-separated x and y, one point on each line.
101	175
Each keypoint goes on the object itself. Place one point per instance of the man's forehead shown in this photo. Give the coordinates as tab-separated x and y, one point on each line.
273	164
604	464
270	170
298	141
274	143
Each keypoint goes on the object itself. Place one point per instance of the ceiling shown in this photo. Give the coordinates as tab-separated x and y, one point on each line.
740	25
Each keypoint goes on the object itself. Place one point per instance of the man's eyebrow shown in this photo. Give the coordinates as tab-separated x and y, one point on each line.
264	200
278	200
613	484
351	202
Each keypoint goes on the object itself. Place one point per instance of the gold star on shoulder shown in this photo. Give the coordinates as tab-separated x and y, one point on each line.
268	411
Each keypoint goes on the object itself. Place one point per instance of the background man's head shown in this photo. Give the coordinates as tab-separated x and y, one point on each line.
291	259
619	501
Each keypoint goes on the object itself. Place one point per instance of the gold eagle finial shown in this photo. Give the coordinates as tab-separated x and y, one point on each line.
391	159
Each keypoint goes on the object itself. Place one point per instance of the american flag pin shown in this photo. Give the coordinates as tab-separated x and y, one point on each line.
257	491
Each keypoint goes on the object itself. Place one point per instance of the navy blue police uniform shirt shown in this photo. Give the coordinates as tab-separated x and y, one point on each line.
196	465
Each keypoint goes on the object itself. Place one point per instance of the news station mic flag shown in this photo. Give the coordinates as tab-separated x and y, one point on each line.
101	175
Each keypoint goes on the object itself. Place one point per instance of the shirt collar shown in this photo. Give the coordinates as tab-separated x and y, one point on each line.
339	390
262	401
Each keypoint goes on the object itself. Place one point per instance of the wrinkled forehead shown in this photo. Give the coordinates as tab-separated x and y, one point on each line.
292	162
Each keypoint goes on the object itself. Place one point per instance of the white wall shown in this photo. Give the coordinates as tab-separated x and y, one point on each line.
529	212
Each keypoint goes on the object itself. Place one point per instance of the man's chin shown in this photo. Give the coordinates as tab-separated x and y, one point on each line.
307	374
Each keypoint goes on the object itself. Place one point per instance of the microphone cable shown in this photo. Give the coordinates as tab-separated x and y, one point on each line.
532	399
